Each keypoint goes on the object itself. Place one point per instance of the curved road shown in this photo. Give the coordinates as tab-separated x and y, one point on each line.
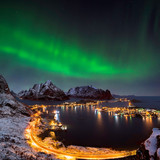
81	156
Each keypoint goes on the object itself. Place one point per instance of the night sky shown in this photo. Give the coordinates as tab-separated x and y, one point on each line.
110	44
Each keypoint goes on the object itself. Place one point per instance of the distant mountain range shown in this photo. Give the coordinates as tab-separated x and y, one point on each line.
43	91
89	92
48	91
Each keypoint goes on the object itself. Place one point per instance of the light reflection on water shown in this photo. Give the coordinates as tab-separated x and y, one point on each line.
99	119
89	127
116	119
57	117
148	122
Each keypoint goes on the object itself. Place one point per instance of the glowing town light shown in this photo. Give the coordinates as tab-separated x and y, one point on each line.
56	112
116	118
69	157
44	108
64	127
36	143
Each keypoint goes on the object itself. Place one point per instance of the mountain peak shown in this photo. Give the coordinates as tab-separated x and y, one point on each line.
43	91
89	92
48	83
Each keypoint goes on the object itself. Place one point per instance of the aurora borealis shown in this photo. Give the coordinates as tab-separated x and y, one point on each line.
110	44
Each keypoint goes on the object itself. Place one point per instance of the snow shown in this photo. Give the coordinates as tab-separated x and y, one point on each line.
48	83
43	91
13	127
92	87
37	87
151	142
13	144
89	92
14	118
12	141
72	91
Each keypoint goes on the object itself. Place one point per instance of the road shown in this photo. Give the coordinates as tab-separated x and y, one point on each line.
65	155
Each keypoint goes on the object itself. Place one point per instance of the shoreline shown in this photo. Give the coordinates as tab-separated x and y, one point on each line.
73	152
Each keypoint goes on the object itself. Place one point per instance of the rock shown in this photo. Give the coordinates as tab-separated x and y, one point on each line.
142	153
14	118
43	91
3	86
89	92
13	94
149	150
9	105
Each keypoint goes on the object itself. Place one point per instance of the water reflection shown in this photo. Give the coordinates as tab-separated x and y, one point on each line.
56	116
148	121
62	108
92	127
116	118
99	117
88	108
130	119
126	118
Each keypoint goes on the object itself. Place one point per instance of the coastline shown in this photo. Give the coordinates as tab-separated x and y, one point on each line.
76	152
14	143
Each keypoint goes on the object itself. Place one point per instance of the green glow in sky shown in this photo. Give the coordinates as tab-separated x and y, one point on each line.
61	57
125	58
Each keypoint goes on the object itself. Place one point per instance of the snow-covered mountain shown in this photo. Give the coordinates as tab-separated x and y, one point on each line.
89	92
43	91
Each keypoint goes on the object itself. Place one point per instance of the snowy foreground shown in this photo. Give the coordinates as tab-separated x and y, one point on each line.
15	117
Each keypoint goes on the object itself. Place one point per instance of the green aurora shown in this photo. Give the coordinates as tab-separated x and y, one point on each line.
54	48
70	60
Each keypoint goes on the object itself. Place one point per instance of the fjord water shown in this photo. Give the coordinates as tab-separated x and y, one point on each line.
88	127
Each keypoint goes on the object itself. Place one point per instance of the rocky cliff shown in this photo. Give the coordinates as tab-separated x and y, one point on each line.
14	118
3	86
9	105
